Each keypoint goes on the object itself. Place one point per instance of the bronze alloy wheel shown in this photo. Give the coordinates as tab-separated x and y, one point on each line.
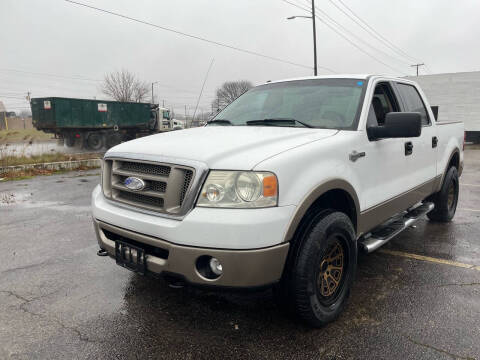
331	270
323	268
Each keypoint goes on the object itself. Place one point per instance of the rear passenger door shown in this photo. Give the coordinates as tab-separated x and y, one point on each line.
421	162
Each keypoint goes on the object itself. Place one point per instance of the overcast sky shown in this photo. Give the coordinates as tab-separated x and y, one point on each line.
59	38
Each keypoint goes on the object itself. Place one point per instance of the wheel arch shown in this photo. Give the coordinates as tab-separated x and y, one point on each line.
335	194
453	160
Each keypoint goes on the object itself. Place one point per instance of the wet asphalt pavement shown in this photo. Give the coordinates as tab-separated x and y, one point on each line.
59	300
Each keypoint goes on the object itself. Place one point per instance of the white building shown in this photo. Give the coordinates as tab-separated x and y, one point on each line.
457	96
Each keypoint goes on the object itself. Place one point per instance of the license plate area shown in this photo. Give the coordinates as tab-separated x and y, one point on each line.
130	257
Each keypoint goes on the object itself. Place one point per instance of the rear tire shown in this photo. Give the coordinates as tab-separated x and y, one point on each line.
446	199
69	140
322	268
95	141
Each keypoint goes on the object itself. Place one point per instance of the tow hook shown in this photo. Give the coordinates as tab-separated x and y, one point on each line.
102	252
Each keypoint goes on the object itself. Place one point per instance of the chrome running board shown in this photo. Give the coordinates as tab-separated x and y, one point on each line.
394	226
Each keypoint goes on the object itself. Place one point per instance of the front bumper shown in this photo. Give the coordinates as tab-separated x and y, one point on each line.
238	229
241	268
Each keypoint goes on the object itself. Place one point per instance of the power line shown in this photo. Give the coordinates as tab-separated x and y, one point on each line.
370	29
359	38
12	97
29	73
51	75
346	38
196	37
44	89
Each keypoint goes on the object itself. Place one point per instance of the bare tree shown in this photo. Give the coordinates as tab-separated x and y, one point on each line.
229	91
124	86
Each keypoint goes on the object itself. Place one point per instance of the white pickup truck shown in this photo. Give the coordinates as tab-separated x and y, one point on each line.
281	188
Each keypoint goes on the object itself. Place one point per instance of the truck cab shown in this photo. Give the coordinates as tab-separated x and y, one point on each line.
164	122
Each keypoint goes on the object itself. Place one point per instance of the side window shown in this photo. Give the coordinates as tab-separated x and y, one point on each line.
383	102
413	101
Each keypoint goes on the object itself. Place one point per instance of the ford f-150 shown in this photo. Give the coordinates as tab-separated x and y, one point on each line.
282	188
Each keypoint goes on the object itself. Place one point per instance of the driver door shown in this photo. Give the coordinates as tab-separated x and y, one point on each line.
383	171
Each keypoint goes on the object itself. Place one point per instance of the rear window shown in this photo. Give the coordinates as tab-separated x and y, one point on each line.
413	102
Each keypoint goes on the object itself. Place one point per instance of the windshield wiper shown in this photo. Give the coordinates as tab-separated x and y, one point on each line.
220	122
272	121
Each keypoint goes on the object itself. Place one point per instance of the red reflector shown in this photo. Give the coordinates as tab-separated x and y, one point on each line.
77	136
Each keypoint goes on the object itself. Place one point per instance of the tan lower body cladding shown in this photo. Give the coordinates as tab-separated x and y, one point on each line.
376	215
241	268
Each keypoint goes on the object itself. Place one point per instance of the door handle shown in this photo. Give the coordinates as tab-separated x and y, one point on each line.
354	155
434	142
408	148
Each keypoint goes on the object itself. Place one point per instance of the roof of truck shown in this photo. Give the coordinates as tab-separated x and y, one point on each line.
337	76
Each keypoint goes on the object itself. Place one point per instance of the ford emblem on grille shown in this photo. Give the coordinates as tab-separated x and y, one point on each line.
134	183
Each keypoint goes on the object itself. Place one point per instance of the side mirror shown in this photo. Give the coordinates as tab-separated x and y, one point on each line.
397	125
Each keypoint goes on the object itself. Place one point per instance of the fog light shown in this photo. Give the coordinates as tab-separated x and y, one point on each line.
215	266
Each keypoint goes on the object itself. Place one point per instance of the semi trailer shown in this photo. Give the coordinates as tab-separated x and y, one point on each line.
95	124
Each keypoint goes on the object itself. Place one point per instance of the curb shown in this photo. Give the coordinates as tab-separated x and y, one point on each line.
60	165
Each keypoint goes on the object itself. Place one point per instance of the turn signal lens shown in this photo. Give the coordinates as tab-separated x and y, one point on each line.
270	186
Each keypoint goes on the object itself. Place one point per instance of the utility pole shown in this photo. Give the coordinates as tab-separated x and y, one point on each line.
153	83
186	120
314	40
314	34
163	103
417	66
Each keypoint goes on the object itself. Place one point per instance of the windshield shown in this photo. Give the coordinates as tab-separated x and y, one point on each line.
320	103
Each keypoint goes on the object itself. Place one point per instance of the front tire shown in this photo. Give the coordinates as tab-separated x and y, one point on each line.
323	268
446	199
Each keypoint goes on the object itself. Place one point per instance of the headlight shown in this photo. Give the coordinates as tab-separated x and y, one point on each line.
239	189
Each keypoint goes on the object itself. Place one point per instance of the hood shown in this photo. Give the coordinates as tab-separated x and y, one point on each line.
223	147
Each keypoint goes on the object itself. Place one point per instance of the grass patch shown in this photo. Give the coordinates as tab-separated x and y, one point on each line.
23	135
10	160
29	173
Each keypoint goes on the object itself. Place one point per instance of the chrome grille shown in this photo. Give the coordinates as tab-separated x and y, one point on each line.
186	184
143	168
140	199
166	185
